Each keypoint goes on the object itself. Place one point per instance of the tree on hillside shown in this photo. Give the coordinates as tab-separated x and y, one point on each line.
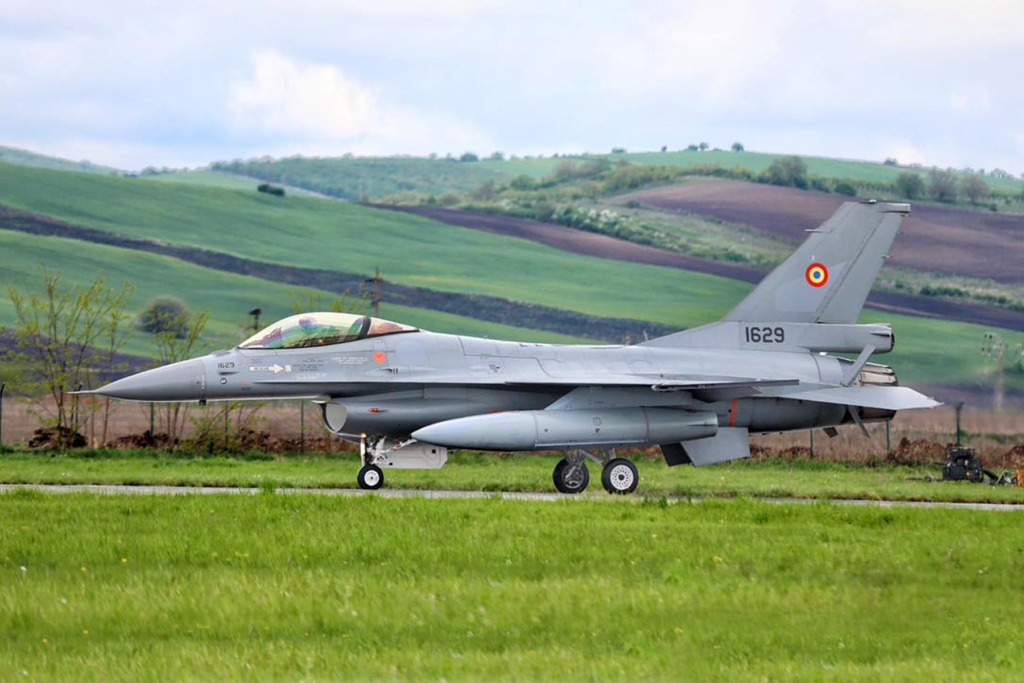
692	148
485	192
891	161
737	147
975	189
497	156
702	146
787	171
910	185
469	156
942	185
164	314
522	182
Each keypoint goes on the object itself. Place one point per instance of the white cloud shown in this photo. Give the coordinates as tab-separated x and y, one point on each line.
318	108
283	97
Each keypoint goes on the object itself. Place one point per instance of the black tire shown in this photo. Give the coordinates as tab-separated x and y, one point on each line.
620	476
370	477
570	487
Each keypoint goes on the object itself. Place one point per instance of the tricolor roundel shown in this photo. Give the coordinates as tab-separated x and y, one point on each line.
817	275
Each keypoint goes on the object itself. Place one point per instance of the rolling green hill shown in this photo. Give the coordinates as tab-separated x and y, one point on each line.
21	157
227	297
225	181
357	177
410	250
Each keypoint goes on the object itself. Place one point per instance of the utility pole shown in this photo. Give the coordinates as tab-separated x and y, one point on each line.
256	313
992	347
376	293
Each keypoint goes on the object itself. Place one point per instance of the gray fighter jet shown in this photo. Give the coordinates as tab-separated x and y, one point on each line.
407	395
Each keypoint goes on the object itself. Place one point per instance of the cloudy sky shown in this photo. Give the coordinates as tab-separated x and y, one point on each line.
182	83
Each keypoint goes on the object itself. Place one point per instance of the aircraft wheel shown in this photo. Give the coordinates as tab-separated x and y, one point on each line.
370	477
620	476
570	479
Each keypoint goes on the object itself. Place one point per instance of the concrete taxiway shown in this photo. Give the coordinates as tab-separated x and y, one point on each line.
138	490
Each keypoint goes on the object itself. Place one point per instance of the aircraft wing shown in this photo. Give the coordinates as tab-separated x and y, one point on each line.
885	398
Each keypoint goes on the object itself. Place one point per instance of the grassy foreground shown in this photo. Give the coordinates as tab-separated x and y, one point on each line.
483	472
268	587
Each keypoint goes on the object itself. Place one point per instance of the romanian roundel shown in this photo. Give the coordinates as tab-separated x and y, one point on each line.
817	275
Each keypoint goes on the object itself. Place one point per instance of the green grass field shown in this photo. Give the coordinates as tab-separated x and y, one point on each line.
225	181
327	234
279	588
226	296
489	472
23	157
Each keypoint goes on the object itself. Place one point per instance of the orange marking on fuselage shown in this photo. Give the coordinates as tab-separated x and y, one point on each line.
732	413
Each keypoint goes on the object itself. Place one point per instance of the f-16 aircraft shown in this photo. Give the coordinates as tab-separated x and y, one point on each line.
407	396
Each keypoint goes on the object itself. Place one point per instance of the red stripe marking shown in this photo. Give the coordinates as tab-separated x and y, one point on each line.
732	413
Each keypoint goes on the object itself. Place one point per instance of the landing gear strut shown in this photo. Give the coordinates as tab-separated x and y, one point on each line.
571	474
370	476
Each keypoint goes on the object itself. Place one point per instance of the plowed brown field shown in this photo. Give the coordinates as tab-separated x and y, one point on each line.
976	244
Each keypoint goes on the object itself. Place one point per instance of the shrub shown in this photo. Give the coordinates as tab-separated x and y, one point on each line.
788	171
822	184
910	185
267	188
738	147
469	156
164	314
523	183
975	189
486	191
618	150
847	189
942	185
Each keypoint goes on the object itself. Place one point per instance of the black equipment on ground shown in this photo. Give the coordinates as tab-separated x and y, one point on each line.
962	464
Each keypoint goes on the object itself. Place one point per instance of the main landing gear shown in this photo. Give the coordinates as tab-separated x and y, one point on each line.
617	476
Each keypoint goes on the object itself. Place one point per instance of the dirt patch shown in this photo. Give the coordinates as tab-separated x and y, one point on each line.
602	246
934	238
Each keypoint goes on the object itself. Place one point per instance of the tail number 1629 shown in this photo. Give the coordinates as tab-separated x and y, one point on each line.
765	335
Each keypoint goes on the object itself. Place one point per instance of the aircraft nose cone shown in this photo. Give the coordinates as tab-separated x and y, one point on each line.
183	381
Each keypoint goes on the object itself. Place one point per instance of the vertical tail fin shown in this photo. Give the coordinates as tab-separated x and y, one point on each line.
828	278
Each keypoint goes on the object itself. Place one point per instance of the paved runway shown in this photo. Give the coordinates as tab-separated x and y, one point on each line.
133	490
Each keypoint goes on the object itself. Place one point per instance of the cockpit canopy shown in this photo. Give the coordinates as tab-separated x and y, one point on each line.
320	329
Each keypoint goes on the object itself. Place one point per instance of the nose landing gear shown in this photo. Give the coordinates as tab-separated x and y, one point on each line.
370	477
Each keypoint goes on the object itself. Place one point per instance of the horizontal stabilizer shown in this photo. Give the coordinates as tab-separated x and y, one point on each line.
883	398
